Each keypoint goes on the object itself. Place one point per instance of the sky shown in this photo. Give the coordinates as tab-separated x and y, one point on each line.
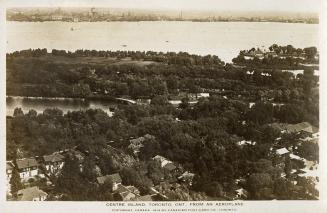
238	5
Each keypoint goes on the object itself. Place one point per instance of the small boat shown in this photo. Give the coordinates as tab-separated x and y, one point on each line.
71	29
167	41
124	45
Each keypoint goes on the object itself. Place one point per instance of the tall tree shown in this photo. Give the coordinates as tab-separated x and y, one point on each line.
15	182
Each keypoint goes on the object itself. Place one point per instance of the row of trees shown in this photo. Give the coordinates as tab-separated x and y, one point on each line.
34	77
180	58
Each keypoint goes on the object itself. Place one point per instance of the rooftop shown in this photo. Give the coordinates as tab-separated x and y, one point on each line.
304	126
114	178
282	151
56	157
30	193
26	163
170	166
9	165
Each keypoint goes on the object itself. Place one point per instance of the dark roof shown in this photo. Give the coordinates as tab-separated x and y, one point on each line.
53	158
114	178
29	193
102	179
78	155
26	163
9	165
170	166
122	189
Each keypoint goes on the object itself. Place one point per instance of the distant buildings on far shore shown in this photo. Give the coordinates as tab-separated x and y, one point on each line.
97	14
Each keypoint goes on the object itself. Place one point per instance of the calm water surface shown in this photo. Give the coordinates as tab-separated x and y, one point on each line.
224	39
64	104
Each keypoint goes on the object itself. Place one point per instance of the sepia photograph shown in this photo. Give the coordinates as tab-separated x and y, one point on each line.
160	101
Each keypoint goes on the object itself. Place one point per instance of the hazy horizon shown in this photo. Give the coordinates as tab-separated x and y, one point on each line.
174	12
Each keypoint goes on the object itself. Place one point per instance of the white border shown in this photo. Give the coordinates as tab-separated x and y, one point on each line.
248	206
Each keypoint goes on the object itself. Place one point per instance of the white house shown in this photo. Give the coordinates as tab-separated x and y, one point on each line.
282	151
162	160
53	163
27	167
241	193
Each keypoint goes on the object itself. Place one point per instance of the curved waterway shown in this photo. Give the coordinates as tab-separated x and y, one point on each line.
39	104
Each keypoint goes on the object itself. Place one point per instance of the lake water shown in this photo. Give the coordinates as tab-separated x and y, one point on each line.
64	104
224	39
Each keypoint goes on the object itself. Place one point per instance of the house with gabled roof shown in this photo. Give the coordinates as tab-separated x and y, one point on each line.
125	193
241	193
300	127
32	194
114	178
187	177
27	167
170	167
53	163
162	160
282	151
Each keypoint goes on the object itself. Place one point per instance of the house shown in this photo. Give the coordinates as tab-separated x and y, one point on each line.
170	167
300	127
278	126
133	189
126	193
162	160
281	156
53	163
241	193
203	95
32	194
187	177
77	155
282	151
114	178
165	163
137	143
296	157
244	142
27	167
